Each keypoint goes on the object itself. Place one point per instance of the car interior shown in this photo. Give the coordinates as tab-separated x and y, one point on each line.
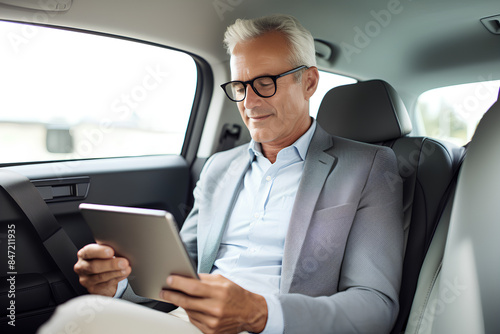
119	102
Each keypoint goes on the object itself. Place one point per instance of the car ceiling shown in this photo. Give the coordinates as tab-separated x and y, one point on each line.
422	45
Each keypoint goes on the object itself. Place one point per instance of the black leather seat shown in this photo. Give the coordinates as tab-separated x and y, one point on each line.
372	112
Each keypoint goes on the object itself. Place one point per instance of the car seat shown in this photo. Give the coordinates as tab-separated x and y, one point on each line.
372	112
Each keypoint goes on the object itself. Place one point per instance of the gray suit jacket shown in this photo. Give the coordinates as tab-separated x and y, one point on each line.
343	251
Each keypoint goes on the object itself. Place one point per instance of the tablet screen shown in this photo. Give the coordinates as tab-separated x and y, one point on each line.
148	238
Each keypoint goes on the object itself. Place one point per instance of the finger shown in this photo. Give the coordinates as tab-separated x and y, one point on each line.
98	266
189	286
105	289
204	322
179	298
214	324
187	302
96	251
212	278
172	297
106	277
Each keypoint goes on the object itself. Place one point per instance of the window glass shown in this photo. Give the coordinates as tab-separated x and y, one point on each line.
452	113
327	81
71	95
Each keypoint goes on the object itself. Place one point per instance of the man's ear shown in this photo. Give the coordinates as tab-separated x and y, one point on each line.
310	79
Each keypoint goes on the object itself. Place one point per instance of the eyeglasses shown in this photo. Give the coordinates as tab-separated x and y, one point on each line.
264	86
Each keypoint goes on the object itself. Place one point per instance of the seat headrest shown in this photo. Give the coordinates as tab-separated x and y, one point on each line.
367	111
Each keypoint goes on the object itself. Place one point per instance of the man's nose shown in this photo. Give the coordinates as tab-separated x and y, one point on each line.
252	99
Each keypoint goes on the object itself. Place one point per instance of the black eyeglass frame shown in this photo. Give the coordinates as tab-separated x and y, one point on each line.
250	82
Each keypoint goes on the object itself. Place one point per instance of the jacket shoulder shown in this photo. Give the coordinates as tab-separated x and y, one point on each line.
221	160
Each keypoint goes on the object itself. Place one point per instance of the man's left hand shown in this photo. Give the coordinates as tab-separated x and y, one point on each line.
214	304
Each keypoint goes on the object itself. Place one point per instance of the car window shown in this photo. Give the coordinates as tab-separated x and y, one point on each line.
327	81
452	113
73	95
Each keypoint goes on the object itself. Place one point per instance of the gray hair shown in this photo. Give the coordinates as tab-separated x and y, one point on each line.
299	39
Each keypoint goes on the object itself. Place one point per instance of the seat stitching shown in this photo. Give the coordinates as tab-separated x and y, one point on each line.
428	294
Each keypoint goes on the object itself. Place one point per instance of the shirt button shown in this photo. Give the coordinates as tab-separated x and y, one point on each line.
268	178
256	215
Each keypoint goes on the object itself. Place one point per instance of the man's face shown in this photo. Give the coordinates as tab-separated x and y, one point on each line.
281	119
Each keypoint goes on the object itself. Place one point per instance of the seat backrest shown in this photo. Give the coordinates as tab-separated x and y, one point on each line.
372	112
460	281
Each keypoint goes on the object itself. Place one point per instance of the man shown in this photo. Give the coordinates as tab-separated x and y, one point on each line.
298	231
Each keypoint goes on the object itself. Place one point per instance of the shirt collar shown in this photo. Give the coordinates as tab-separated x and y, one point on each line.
301	144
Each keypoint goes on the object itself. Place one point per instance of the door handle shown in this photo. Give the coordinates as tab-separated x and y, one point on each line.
63	189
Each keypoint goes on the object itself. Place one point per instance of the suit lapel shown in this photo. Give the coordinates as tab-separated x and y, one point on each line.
317	167
225	194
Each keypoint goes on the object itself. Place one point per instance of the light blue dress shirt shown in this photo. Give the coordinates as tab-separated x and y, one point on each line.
251	250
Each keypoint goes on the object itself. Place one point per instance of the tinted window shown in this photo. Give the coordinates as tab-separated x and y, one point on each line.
71	95
452	113
327	81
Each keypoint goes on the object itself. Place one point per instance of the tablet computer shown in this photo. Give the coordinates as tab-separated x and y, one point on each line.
148	238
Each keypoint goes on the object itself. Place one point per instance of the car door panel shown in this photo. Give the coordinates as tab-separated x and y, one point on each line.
160	182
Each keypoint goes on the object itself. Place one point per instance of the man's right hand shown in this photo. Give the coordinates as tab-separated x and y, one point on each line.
99	270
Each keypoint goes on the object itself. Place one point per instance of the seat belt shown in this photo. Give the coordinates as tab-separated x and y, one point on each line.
55	240
230	133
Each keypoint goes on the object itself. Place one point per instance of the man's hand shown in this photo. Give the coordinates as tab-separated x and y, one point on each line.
214	304
99	270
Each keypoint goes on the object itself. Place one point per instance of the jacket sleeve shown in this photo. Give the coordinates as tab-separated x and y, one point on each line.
189	230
